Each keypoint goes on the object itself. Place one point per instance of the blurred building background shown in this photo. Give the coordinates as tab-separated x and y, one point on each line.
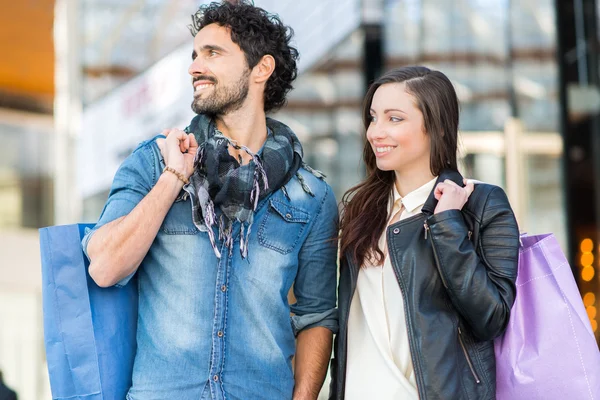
83	81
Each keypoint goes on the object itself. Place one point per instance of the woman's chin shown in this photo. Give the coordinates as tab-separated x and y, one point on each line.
384	166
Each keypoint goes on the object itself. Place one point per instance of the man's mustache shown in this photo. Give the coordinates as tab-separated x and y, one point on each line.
204	78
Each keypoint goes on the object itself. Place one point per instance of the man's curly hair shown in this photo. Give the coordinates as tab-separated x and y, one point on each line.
258	33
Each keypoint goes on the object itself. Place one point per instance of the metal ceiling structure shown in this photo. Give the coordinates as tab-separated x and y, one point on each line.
121	39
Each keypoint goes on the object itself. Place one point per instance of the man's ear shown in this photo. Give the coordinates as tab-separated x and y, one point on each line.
264	69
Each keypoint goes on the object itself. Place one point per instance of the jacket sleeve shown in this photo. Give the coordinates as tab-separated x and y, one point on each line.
480	284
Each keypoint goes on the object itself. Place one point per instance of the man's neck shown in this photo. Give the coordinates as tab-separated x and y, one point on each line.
246	127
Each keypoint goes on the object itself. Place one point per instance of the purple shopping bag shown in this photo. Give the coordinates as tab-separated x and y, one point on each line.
548	350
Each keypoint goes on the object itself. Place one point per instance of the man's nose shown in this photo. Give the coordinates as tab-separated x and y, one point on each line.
197	67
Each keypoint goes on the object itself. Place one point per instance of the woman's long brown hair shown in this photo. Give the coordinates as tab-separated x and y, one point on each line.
366	206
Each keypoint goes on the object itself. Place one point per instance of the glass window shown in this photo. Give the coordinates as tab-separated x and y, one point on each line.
25	175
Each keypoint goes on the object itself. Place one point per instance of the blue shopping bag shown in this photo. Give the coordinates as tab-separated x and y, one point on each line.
89	332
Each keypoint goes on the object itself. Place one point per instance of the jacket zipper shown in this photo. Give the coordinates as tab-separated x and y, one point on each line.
462	344
435	255
415	360
352	289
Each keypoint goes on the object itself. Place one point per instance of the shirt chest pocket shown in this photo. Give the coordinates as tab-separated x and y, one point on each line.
282	226
179	219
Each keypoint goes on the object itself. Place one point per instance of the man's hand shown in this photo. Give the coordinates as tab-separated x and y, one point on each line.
450	196
117	249
178	150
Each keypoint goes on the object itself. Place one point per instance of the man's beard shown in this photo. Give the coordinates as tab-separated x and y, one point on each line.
224	99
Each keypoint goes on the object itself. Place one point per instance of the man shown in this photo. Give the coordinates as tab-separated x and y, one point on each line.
218	222
5	392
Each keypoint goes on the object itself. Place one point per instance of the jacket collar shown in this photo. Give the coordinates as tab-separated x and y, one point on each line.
431	202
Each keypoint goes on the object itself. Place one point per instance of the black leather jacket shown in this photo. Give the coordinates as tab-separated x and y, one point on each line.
457	272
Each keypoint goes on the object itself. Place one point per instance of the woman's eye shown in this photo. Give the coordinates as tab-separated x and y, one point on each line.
373	118
395	119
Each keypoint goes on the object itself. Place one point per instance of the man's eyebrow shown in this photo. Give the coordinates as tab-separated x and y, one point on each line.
207	47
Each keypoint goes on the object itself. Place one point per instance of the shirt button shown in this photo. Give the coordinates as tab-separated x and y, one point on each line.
220	334
396	231
288	216
216	378
223	288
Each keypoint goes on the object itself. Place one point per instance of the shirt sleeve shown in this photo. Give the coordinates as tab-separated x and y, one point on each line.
133	181
315	285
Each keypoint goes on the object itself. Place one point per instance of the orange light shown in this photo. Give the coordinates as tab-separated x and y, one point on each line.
586	246
594	325
589	299
591	312
587	259
587	274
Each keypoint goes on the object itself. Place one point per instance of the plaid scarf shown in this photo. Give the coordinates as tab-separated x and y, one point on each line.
220	181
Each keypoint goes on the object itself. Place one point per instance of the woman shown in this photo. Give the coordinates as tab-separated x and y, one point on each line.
429	260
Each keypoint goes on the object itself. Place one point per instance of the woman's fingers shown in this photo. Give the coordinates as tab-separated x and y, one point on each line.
469	188
439	190
450	188
451	183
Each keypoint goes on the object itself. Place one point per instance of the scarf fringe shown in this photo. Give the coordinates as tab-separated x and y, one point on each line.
210	219
285	192
199	156
313	171
259	173
305	187
244	239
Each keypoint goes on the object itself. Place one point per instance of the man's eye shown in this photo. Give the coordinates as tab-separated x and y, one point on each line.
212	53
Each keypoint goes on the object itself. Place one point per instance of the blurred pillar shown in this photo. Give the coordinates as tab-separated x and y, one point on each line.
580	105
516	177
510	71
373	54
67	109
580	128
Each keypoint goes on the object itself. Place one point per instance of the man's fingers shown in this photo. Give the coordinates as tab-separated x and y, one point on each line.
175	138
193	142
161	145
183	144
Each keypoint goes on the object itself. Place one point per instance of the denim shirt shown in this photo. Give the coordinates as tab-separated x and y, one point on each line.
223	328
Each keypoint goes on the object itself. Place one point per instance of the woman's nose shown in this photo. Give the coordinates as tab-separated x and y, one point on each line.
376	132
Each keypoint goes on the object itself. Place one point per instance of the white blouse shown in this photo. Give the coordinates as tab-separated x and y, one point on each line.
379	362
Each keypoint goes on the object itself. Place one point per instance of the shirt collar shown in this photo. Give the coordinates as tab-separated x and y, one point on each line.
414	199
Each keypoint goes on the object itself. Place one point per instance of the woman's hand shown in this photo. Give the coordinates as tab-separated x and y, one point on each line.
178	150
450	196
